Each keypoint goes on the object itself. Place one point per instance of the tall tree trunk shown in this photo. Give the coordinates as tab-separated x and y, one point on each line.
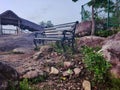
93	21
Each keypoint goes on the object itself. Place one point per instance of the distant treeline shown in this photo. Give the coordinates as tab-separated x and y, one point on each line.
46	24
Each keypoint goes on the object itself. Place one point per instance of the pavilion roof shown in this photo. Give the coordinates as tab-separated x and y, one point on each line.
10	18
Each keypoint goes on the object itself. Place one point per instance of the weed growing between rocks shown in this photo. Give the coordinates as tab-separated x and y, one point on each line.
38	79
68	48
96	65
24	85
58	48
27	84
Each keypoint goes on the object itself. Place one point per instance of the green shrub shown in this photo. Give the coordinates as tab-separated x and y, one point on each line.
104	33
114	84
96	64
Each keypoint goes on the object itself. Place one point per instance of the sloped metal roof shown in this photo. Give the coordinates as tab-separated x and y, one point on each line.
10	18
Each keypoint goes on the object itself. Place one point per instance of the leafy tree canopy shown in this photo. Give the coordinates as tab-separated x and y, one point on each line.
97	3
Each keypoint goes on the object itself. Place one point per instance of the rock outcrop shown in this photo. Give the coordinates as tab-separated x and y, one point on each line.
84	28
91	41
111	51
8	77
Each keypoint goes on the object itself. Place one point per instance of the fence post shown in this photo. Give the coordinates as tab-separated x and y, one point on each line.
82	12
108	18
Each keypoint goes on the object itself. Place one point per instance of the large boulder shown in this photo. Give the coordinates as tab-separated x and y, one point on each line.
84	28
31	74
114	37
111	51
8	77
91	41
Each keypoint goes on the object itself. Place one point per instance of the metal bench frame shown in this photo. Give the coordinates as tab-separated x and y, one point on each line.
67	35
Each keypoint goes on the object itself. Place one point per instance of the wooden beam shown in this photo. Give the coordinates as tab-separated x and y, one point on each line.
18	27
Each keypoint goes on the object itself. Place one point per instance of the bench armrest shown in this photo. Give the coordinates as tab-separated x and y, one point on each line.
66	31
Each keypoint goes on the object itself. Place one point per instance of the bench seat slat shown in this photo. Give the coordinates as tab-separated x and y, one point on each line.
48	38
56	30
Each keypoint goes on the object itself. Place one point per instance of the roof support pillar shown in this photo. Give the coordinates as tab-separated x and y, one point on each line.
1	27
18	28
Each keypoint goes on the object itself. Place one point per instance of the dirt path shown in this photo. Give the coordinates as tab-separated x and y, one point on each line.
9	42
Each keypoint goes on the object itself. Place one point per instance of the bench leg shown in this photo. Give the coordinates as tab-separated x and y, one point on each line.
35	43
43	42
62	44
73	48
69	43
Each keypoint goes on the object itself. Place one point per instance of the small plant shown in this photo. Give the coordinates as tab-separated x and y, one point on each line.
36	48
24	85
59	49
38	79
96	64
28	84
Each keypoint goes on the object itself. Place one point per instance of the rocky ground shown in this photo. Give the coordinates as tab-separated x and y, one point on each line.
10	42
62	72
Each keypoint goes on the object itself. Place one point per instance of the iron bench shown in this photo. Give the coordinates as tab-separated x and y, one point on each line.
64	33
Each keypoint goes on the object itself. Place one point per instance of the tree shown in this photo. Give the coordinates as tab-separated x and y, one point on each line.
95	5
46	24
49	24
91	3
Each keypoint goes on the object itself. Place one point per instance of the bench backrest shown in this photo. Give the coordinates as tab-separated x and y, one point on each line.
57	30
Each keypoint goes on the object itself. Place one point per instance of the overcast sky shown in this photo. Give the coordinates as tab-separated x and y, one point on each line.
58	11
